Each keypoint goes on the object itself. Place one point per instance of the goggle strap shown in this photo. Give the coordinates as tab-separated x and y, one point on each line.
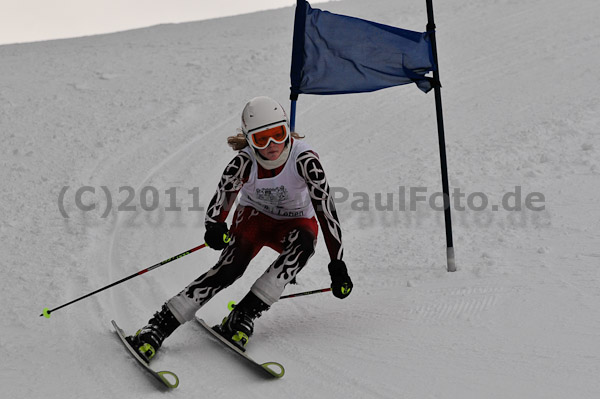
264	126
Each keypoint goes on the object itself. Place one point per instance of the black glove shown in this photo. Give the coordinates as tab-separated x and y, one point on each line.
341	285
217	235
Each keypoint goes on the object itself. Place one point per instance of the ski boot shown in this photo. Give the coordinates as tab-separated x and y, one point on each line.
148	339
238	326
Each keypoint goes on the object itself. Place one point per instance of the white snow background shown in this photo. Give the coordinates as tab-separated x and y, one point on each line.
153	107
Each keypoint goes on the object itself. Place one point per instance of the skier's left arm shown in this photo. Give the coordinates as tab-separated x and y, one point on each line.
309	167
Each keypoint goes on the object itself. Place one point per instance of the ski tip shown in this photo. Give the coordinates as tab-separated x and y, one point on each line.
272	368
169	378
46	313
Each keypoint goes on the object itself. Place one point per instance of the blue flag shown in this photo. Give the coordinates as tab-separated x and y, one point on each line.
337	54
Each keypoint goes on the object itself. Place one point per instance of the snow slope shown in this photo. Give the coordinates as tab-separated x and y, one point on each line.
152	108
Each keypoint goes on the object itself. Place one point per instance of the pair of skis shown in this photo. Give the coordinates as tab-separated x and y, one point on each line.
170	379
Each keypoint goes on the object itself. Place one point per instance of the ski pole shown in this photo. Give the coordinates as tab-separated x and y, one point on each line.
46	312
232	304
305	293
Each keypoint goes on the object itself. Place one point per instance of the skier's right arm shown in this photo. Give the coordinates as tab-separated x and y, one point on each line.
233	178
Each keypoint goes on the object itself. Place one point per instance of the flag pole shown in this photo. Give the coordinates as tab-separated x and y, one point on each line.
293	99
451	264
297	58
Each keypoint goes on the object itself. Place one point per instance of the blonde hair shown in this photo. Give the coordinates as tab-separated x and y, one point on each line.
238	142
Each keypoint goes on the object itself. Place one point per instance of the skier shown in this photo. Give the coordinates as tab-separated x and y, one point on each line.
283	193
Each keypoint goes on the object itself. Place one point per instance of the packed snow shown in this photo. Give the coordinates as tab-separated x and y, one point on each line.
139	119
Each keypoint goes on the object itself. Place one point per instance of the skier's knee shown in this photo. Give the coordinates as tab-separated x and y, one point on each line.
227	274
304	238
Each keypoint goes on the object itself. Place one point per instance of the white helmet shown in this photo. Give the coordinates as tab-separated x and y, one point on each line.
262	113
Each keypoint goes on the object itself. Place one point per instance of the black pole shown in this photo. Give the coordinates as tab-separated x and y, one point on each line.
46	313
305	293
451	264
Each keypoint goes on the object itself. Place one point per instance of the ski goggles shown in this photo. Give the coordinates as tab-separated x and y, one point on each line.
262	138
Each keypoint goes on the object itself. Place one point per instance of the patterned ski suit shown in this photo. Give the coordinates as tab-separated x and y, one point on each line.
278	208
